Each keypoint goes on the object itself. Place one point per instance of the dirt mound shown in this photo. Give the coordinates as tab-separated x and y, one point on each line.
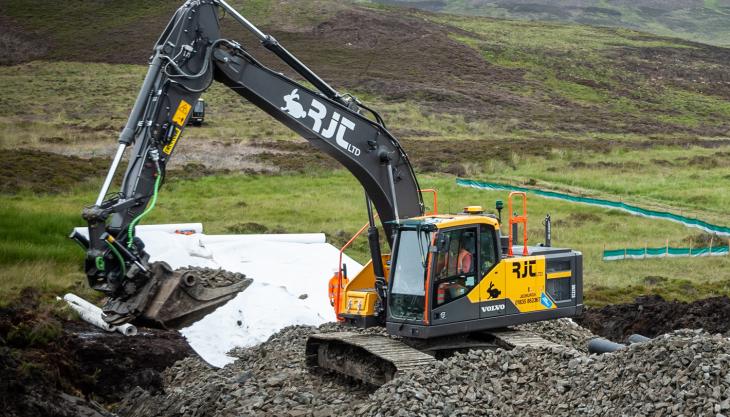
652	316
52	366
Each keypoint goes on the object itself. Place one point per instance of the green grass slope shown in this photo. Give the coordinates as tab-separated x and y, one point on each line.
604	112
705	21
508	78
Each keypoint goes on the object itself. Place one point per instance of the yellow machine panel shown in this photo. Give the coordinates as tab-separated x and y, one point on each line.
526	283
359	293
519	279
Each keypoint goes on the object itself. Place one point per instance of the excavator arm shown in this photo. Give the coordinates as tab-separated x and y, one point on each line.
190	55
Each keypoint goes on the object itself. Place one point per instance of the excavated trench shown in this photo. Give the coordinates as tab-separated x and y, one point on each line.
652	316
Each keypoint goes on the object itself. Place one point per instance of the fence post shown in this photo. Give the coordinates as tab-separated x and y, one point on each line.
646	245
666	254
711	239
625	252
690	247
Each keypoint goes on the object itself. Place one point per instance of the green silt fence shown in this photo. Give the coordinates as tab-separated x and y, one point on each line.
665	252
628	208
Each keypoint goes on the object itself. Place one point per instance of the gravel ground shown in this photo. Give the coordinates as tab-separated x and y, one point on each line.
563	332
684	373
680	374
267	380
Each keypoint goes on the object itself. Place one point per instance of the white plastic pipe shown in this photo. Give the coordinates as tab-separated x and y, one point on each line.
94	316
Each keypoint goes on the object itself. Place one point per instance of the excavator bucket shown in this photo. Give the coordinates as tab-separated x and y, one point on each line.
187	295
176	299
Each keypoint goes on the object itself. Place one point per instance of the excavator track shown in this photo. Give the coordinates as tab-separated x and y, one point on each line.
374	359
377	359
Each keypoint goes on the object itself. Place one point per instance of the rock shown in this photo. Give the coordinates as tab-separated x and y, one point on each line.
682	373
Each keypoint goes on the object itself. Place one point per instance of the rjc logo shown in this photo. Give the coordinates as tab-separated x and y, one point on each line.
525	269
338	124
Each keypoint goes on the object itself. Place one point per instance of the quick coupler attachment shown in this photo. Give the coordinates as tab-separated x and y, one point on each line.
126	254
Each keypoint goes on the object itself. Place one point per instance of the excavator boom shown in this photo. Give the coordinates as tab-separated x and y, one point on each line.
188	57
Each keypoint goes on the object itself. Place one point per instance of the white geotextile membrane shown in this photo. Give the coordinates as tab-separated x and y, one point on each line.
284	269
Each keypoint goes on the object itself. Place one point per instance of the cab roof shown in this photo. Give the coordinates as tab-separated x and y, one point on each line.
442	221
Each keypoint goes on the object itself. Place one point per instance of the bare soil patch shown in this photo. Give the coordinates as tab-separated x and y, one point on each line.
52	366
652	315
45	172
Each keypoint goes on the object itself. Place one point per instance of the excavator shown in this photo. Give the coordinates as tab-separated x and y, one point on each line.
450	281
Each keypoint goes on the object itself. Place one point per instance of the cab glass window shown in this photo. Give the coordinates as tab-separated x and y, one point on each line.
455	265
487	248
408	293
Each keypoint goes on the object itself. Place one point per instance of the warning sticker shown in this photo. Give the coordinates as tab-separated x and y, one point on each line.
170	146
182	113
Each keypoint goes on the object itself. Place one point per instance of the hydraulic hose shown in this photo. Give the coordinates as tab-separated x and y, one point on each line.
130	231
119	257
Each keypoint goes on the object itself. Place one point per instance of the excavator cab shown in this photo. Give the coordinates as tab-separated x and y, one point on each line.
453	283
449	274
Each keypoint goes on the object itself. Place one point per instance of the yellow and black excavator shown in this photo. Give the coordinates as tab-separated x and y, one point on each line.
447	280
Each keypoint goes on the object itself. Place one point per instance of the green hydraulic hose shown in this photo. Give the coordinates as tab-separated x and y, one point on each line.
130	231
119	257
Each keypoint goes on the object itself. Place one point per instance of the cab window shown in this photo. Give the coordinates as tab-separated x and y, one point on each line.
408	294
455	265
487	248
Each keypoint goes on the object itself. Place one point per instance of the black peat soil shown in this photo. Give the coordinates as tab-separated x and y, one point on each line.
652	316
52	366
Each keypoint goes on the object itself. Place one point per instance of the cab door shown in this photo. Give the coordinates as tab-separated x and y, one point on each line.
454	275
492	289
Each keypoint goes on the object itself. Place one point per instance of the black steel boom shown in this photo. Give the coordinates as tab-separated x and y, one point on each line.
187	58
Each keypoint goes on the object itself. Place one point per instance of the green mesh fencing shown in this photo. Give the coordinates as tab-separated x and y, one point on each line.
646	253
628	208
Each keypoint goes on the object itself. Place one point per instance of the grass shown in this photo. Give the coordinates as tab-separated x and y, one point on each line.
681	179
35	251
567	107
706	24
64	110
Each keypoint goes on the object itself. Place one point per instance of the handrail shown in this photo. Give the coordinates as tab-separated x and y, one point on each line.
516	220
338	290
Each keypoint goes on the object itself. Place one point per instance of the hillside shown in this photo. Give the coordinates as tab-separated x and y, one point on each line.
517	79
706	21
604	112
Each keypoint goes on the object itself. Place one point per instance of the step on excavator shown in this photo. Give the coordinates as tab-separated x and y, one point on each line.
450	282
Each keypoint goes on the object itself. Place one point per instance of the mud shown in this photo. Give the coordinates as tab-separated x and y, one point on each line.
54	366
652	316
